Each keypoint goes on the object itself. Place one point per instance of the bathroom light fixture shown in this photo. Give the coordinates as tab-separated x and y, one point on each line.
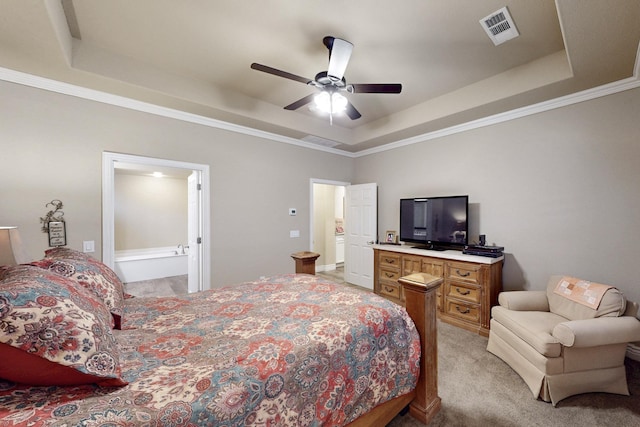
157	174
11	249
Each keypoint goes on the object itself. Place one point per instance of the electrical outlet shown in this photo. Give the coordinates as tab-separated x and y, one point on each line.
294	233
88	246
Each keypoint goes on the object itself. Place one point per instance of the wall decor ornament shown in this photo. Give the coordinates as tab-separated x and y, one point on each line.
53	223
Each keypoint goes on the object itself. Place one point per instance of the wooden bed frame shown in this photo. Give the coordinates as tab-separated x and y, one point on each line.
424	402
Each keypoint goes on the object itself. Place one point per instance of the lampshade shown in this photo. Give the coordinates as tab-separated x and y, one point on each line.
330	102
11	250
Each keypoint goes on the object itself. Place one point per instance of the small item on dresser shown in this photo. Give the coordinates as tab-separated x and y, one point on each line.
391	237
484	250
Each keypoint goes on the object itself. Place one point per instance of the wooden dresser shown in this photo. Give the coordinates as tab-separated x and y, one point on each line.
471	283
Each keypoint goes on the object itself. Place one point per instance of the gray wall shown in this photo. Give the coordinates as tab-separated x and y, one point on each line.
560	190
52	147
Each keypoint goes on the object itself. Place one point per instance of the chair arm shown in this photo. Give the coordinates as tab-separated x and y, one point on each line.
598	331
524	300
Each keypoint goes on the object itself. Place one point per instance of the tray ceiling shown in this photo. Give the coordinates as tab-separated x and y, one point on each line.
195	57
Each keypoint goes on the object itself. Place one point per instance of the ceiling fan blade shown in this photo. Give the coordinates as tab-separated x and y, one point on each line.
280	73
339	54
377	87
300	102
352	112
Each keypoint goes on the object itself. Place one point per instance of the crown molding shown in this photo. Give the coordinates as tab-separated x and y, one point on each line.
574	98
121	101
51	85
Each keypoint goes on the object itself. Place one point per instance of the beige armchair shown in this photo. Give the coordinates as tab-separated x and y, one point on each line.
561	347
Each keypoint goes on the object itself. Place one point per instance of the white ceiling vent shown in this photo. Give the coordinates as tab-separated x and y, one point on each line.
499	26
320	141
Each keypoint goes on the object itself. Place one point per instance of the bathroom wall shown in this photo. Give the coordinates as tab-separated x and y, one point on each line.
324	241
149	212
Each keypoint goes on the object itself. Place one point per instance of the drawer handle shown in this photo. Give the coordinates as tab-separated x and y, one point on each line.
461	274
465	292
388	289
467	311
389	260
389	274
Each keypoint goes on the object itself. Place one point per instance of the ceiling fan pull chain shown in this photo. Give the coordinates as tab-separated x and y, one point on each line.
331	109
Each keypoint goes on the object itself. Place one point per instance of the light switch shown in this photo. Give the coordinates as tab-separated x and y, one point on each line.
293	211
88	246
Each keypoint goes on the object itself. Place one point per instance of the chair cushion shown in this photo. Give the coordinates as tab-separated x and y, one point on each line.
533	327
612	304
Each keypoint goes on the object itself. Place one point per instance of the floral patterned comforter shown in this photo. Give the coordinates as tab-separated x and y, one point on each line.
288	350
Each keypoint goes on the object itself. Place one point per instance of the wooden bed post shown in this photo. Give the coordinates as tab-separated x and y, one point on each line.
424	402
420	295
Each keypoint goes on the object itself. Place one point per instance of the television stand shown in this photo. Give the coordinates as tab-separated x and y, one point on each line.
471	283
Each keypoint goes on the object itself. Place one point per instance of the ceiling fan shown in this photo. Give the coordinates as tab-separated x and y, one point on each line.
332	82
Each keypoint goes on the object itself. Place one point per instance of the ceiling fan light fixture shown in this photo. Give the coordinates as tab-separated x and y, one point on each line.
330	103
330	82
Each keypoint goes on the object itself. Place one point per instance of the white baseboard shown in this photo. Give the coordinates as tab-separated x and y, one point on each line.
328	267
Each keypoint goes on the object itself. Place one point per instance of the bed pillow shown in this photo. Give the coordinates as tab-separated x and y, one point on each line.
62	252
53	332
90	273
4	270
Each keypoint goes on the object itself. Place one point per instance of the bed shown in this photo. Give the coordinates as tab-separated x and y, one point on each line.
285	350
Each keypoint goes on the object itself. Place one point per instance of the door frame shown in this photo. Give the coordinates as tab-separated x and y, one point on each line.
313	181
109	160
194	231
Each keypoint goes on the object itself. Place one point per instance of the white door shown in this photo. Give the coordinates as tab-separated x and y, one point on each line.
361	218
194	231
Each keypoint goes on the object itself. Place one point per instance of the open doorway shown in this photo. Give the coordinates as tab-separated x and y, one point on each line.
328	226
156	227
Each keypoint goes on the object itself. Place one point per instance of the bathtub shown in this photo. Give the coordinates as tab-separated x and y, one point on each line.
133	265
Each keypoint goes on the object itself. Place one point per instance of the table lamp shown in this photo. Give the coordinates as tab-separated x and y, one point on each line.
11	250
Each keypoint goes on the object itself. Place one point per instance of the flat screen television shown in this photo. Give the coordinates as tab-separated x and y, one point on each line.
435	222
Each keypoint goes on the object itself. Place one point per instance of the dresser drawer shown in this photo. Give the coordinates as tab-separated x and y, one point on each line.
389	260
463	291
389	289
462	310
466	272
389	274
